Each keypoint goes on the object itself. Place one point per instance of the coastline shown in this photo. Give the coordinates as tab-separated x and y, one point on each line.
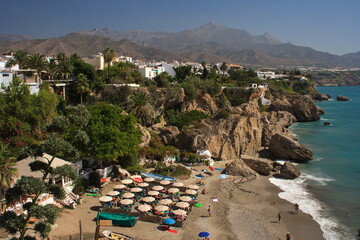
244	211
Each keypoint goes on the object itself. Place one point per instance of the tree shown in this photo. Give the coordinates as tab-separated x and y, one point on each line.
109	55
163	79
45	215
37	61
8	172
113	135
223	68
65	66
52	68
82	85
205	72
139	107
182	72
19	57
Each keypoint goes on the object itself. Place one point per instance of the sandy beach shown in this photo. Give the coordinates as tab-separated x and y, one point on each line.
244	211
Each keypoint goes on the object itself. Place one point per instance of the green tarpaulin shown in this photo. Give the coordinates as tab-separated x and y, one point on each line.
118	219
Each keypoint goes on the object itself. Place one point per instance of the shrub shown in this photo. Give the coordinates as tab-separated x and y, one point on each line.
171	171
136	168
222	114
181	119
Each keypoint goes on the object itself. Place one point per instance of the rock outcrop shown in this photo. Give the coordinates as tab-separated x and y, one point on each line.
204	103
289	171
321	97
260	165
167	134
342	98
283	147
305	109
240	169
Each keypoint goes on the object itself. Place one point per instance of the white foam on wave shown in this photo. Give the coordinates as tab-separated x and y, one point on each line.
294	191
282	161
321	180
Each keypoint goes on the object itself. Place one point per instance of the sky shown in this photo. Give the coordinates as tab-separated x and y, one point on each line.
326	25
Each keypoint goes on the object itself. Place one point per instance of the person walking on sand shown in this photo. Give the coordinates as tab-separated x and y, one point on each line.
288	236
209	210
279	217
296	207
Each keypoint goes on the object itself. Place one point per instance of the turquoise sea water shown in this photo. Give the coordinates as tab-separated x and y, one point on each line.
329	187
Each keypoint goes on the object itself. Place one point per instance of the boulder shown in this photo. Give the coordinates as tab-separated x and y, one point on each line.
204	103
146	137
260	165
167	134
283	147
289	171
321	97
239	168
305	110
342	98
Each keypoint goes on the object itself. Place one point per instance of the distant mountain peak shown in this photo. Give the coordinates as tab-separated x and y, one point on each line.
211	25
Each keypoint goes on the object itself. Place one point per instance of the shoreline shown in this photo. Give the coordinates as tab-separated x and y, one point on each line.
244	211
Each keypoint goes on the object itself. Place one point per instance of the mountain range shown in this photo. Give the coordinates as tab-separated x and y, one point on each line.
210	43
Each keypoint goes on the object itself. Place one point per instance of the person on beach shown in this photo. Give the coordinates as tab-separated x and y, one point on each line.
288	236
296	207
279	217
209	210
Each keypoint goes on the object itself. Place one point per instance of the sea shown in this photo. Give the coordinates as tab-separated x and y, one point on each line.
329	186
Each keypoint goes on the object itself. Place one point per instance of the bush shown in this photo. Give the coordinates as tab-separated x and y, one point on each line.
94	179
238	96
135	169
181	119
222	114
171	171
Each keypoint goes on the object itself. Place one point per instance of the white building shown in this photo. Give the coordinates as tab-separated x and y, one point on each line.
97	61
6	78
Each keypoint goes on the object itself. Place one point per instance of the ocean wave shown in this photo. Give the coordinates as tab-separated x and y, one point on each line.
321	180
282	161
294	191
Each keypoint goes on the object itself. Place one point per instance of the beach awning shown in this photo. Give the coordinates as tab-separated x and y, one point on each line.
162	208
178	184
169	221
165	182
126	201
136	189
143	184
148	199
153	193
191	192
179	212
119	186
185	198
157	188
128	195
126	181
182	204
173	190
105	199
165	201
149	179
144	208
113	193
193	187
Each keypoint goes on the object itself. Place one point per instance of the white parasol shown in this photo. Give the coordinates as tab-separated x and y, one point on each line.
136	189
173	190
162	208
185	198
148	199
126	201
120	186
182	204
143	184
165	182
127	181
149	179
105	199
193	187
191	192
144	208
128	195
165	201
179	212
153	193
178	184
113	193
157	188
135	176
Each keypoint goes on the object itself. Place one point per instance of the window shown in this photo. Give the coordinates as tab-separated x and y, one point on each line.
6	75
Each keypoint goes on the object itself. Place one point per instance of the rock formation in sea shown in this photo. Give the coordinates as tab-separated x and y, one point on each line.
289	171
342	98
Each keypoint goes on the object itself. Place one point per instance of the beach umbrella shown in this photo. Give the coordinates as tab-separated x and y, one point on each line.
157	188
173	190
148	199
204	234
197	205
126	181
178	184
162	208
165	182
113	193
149	179
126	201
165	201
144	208
193	186
143	184
128	195
169	221
182	204
120	186
136	189
153	193
191	192
185	198
135	176
179	212
105	199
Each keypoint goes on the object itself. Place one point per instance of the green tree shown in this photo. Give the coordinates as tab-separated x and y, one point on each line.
109	55
20	57
113	135
163	79
8	172
65	66
52	68
81	85
223	68
182	72
139	107
37	62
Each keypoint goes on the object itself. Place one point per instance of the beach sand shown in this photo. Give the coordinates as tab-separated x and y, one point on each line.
244	212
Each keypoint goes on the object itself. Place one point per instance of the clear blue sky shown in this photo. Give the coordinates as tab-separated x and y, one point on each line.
327	25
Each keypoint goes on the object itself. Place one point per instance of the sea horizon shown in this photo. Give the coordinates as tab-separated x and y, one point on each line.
328	187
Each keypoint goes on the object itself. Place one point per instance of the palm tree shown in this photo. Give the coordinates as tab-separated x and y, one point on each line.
37	61
65	66
140	108
82	85
19	57
52	68
8	172
223	67
109	55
